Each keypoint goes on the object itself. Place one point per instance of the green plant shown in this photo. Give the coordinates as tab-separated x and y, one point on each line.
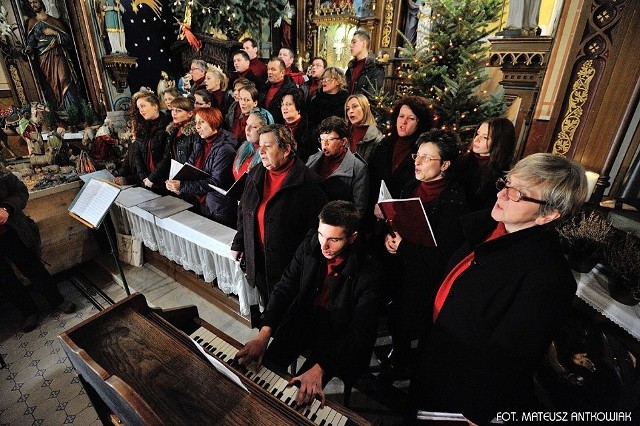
450	67
87	112
51	119
73	115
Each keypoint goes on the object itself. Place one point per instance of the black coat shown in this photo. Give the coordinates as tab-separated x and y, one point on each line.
324	105
177	148
354	301
497	322
479	183
370	78
156	137
423	267
305	146
290	214
274	107
13	197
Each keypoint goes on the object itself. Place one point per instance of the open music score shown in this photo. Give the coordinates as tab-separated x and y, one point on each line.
92	203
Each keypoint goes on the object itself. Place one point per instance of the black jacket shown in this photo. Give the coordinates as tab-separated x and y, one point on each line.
290	214
479	182
370	78
177	148
154	140
354	301
274	107
497	322
13	197
324	105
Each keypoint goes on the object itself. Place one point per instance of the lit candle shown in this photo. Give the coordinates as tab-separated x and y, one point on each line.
592	178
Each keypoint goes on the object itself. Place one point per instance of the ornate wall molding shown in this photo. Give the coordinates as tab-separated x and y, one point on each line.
577	99
386	24
17	83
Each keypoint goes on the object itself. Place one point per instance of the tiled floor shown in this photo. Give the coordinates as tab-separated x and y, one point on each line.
40	387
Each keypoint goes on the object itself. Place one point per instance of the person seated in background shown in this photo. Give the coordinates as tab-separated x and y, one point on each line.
345	175
197	73
20	246
169	95
248	154
258	68
490	156
329	100
248	100
212	153
233	112
277	85
316	69
149	129
365	134
507	291
280	203
242	66
203	99
444	202
293	117
181	135
326	303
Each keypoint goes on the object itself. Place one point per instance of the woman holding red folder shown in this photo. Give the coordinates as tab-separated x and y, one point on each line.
444	202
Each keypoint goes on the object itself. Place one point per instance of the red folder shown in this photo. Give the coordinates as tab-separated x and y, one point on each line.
408	218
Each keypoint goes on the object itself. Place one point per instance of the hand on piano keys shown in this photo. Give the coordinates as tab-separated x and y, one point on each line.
310	386
270	381
254	350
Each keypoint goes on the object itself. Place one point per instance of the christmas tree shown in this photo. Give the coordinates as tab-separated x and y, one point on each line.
229	17
450	67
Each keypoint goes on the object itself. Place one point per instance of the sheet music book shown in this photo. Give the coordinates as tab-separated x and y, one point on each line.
103	174
166	206
186	171
235	191
221	367
135	196
408	218
92	203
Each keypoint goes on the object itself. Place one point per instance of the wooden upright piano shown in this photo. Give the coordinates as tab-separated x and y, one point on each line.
143	365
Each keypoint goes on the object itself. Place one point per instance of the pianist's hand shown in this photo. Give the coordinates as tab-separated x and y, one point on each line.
254	349
310	385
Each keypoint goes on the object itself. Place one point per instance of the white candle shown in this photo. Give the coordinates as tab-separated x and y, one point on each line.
592	178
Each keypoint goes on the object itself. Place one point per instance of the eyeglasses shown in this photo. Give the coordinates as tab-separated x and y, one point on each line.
327	140
325	79
514	194
424	157
199	104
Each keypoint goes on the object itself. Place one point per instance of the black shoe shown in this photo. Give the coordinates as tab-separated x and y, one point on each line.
67	307
30	323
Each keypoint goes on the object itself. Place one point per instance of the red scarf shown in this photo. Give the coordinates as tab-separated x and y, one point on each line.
329	165
357	69
238	128
322	299
293	126
315	83
401	150
428	192
457	270
357	135
272	92
273	180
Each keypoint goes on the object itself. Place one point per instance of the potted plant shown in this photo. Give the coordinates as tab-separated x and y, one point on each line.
622	259
73	117
585	235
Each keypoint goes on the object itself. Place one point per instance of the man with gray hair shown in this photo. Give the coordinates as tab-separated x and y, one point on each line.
197	71
363	74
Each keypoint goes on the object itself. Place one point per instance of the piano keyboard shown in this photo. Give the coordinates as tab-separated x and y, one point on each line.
268	380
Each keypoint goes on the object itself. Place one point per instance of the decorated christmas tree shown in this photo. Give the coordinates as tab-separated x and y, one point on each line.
229	17
450	67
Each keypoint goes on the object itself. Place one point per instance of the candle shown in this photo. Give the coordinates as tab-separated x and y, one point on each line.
592	178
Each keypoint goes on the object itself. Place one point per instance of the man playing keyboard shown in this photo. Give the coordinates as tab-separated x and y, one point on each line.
324	306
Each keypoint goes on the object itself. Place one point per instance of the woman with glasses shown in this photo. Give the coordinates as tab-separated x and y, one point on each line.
330	98
291	109
489	157
181	134
444	202
345	175
202	99
506	293
213	152
365	134
247	156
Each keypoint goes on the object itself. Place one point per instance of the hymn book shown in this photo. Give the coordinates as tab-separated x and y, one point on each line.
235	191
408	218
92	203
186	171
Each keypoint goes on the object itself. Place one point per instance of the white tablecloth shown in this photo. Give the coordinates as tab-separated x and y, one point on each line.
592	288
196	243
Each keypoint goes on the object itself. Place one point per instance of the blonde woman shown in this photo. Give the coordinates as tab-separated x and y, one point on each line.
329	99
215	81
365	134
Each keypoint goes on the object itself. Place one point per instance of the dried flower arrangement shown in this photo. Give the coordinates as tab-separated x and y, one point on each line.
586	236
623	259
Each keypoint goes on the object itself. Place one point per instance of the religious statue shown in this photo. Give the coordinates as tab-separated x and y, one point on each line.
49	39
110	19
286	22
523	14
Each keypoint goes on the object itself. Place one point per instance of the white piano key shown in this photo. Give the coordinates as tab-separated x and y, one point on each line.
330	417
341	419
315	405
322	414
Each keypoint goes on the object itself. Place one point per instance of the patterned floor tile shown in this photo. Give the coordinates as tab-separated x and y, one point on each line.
50	412
26	374
37	390
78	404
85	417
16	411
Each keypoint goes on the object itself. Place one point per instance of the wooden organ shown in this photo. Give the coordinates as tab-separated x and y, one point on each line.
142	365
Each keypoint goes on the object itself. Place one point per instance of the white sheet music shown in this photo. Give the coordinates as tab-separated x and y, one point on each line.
221	367
174	168
93	201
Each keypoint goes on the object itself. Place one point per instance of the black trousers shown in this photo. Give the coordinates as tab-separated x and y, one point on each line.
13	250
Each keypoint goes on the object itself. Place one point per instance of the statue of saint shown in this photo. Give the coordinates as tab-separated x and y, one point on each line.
49	39
523	14
113	10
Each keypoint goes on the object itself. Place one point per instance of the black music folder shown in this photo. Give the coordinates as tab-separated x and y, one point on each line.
186	172
235	191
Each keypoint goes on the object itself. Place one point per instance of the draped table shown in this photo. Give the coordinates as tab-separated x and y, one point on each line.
196	243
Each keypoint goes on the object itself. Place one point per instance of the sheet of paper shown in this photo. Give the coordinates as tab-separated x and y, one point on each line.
134	196
222	368
103	174
94	200
174	168
164	207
